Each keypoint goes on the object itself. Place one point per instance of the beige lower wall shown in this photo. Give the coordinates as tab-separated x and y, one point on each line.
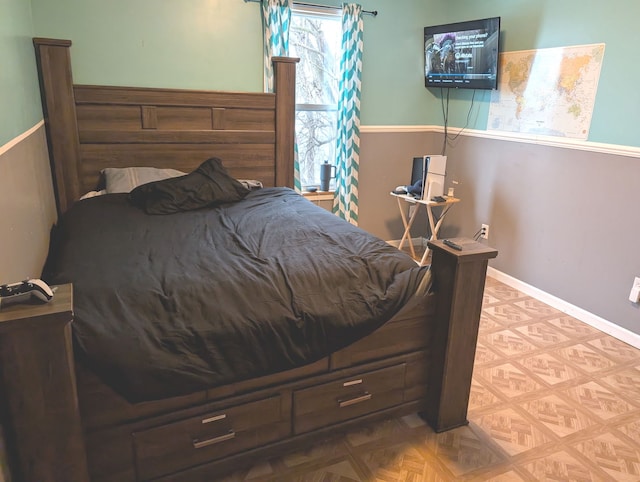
28	206
385	162
563	218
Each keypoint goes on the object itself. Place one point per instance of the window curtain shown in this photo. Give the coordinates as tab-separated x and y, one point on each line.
276	19
345	201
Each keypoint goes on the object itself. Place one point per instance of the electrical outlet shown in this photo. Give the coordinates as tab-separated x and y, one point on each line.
484	231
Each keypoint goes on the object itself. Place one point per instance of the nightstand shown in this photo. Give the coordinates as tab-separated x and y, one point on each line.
37	381
324	199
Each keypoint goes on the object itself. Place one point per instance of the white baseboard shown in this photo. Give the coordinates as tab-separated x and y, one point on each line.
590	319
578	313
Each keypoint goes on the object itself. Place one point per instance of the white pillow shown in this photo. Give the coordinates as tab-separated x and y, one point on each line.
125	179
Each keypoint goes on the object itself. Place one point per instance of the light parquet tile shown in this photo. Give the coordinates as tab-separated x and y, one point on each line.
507	314
536	308
631	430
502	291
396	463
542	334
508	380
549	368
626	382
561	466
507	342
572	327
510	476
481	397
615	349
462	450
513	432
561	417
585	358
484	354
488	323
619	459
599	401
489	299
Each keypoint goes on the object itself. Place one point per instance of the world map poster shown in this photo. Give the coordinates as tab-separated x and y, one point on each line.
547	92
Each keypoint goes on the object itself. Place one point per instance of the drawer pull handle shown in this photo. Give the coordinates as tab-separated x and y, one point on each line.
214	419
198	444
353	401
352	382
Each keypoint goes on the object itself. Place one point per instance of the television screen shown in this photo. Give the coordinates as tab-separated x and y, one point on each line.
462	55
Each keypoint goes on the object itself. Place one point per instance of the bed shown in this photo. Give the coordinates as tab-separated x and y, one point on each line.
409	347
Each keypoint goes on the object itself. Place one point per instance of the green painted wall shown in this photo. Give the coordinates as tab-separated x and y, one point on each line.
218	44
19	99
193	44
546	23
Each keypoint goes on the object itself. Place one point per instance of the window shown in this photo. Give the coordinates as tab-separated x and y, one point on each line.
315	37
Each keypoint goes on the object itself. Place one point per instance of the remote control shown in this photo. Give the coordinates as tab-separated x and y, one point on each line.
453	245
25	291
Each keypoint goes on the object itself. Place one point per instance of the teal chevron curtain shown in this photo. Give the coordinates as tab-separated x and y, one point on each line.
345	201
276	19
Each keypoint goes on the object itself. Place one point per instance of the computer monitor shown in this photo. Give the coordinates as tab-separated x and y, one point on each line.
417	170
431	170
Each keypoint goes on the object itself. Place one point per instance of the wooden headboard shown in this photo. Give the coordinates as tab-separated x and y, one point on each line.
91	127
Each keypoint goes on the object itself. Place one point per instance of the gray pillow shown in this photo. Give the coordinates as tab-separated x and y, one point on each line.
125	179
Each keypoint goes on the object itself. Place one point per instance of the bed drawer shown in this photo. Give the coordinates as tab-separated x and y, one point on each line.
340	400
175	446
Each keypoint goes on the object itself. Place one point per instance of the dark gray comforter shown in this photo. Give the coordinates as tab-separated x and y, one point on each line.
168	305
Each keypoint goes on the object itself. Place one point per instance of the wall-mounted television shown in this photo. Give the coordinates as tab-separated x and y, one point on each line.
462	55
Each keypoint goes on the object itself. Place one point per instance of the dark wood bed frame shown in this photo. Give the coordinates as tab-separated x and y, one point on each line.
420	361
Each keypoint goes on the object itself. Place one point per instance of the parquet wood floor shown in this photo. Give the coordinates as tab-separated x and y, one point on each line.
552	399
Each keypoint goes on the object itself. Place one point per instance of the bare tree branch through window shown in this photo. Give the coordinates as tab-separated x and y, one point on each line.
316	40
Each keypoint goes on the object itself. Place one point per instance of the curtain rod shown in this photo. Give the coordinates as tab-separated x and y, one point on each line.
367	12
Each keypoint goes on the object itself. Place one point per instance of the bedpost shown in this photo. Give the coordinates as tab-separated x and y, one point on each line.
58	105
459	278
285	89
